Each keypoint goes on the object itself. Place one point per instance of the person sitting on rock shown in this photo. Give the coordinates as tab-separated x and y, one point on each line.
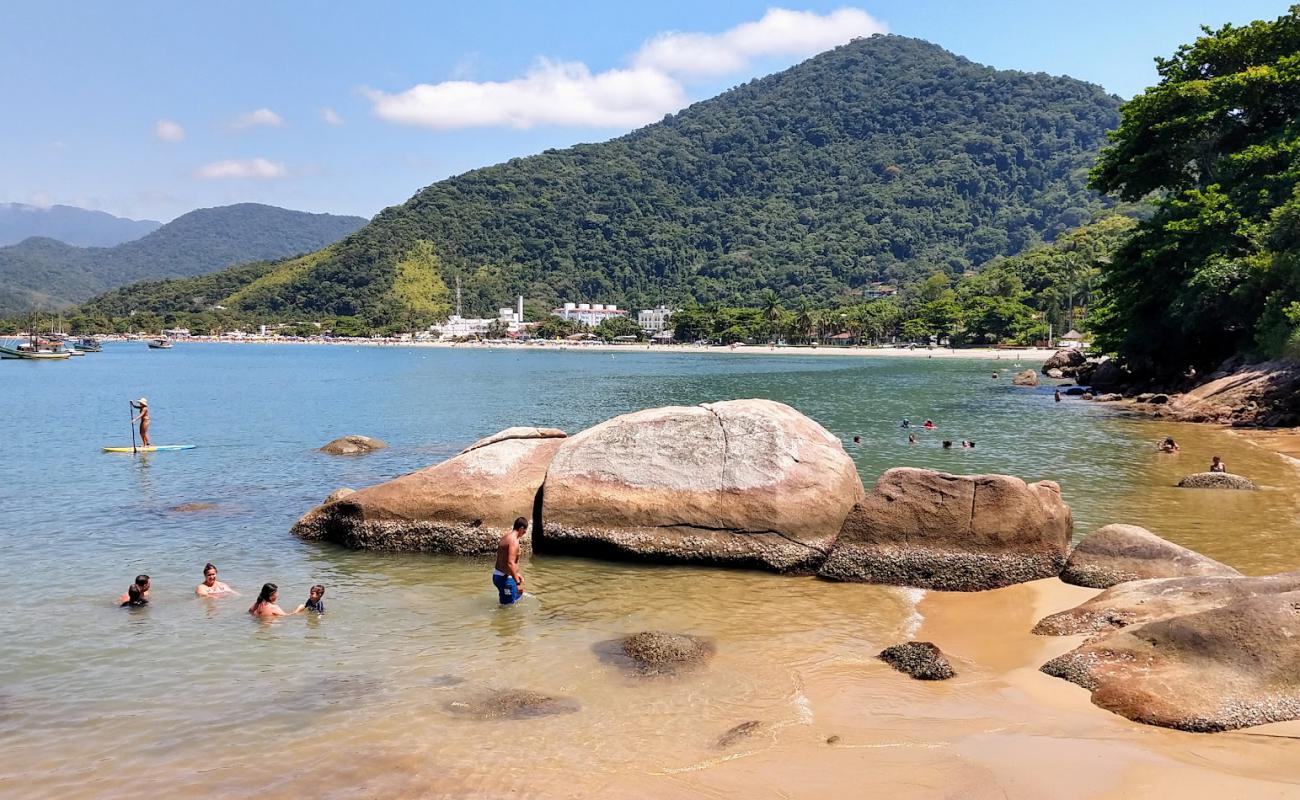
1217	465
142	583
506	577
1169	445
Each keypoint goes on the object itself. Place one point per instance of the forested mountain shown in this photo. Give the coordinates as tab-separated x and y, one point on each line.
885	159
43	273
70	225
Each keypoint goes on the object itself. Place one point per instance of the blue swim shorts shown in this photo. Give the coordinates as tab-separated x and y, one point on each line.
507	590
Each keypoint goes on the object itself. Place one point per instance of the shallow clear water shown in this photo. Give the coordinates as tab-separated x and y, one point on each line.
191	695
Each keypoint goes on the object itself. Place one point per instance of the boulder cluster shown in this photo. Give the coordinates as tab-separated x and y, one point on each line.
741	483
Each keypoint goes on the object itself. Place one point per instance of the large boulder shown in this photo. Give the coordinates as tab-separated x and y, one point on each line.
1069	358
933	530
1224	668
749	483
1118	553
1216	480
353	446
1026	378
1139	602
1109	376
461	506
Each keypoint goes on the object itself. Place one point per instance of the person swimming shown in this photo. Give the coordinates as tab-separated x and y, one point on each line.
506	578
911	438
1217	465
947	444
211	587
1169	445
906	424
142	583
314	603
968	443
929	425
857	440
264	605
135	597
1057	394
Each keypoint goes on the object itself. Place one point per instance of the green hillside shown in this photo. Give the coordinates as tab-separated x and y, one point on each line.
886	159
41	273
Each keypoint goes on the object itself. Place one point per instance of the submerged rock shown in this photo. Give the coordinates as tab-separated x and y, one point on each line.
922	660
1138	602
658	653
1076	391
512	704
1224	668
933	530
749	483
1216	480
352	445
739	733
1025	378
1117	553
461	506
190	508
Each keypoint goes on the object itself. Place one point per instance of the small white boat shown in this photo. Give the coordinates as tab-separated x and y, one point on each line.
160	344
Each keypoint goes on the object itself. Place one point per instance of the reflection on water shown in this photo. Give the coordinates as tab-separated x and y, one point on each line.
189	695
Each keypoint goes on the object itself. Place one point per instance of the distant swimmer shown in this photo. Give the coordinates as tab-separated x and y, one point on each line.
1217	465
947	444
1169	445
135	597
142	405
911	438
264	605
141	583
506	577
1057	394
906	424
211	587
857	440
929	425
315	601
969	444
995	376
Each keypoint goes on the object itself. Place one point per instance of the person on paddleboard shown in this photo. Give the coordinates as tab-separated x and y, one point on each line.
211	587
143	418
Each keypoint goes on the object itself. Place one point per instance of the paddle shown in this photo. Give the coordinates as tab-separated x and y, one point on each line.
132	406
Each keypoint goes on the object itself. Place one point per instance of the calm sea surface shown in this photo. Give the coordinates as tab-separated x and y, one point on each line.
191	696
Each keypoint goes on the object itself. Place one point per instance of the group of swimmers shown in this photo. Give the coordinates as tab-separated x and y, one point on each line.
137	595
1170	446
968	444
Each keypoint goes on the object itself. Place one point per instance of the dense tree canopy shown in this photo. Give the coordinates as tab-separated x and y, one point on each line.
1215	271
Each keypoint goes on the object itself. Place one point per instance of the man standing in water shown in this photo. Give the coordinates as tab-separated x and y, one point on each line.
506	577
143	418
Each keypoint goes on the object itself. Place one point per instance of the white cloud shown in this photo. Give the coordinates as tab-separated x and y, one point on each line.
550	93
780	32
168	130
568	93
260	168
261	117
331	116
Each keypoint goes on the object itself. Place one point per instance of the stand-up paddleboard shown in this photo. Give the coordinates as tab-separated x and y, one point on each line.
157	448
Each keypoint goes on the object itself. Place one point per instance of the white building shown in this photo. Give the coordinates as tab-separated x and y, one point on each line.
589	314
457	327
653	320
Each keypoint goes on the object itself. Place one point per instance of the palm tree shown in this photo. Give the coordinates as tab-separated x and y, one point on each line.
771	304
803	320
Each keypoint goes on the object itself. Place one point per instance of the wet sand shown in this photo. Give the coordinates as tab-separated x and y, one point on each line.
1283	441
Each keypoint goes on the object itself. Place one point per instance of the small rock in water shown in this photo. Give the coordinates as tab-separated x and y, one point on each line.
352	445
657	653
742	731
922	660
444	681
833	739
1026	378
187	508
1216	480
513	704
1075	391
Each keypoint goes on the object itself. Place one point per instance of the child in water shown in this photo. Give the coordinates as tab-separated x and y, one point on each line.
135	597
314	601
1217	465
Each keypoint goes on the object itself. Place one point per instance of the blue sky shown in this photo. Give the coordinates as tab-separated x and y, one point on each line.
148	109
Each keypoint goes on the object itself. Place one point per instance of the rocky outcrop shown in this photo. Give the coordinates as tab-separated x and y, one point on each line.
1026	378
353	446
748	483
512	704
922	660
1118	553
657	653
1220	669
1216	480
1109	376
517	432
338	494
1266	394
1112	397
1139	602
461	506
933	530
1065	361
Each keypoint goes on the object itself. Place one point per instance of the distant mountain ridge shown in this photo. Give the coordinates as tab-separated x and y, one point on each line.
42	273
885	159
80	227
